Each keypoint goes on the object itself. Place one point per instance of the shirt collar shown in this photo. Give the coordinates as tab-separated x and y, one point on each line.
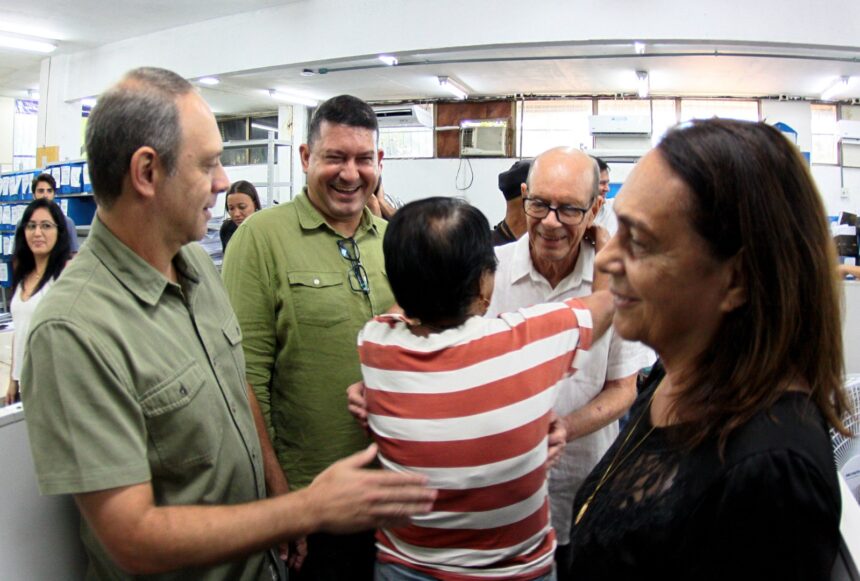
583	270
310	218
133	272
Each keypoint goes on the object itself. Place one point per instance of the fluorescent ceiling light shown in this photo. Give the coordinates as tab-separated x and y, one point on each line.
28	44
838	87
642	76
211	81
388	59
453	87
264	127
88	102
639	47
293	98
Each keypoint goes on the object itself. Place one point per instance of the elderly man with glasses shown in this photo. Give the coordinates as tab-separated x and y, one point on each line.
303	278
553	262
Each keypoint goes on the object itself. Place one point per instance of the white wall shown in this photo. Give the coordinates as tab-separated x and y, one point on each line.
7	125
796	114
412	179
831	181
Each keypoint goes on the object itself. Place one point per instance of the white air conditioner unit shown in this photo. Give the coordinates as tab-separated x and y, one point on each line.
403	116
619	124
848	131
484	138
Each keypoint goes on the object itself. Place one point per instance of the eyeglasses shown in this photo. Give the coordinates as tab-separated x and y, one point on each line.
358	280
43	226
565	213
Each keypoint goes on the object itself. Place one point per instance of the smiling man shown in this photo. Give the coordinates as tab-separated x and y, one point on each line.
303	278
606	214
554	261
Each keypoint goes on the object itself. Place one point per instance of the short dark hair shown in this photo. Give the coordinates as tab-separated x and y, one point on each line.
436	251
23	261
44	177
138	111
601	165
342	110
244	187
746	182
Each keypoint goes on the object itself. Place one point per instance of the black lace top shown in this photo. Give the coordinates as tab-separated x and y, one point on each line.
770	511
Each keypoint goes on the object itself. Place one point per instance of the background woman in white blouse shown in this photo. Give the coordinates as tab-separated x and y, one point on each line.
41	252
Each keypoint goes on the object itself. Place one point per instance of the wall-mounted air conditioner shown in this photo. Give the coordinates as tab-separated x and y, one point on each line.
619	124
848	131
403	116
484	138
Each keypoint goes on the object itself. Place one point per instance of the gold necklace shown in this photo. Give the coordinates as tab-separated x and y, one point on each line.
34	277
616	463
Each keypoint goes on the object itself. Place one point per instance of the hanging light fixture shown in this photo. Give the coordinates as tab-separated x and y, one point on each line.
453	87
644	88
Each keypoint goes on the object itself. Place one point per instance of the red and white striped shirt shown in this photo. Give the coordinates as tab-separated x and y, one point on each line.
469	408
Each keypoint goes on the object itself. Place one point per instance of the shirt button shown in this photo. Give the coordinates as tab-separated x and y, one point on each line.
317	281
182	390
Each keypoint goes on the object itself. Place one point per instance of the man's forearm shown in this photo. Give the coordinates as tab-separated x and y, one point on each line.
611	403
144	538
276	480
176	537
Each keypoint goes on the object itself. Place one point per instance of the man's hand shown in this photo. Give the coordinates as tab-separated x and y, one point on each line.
598	236
298	550
556	441
357	403
11	392
348	498
291	552
374	206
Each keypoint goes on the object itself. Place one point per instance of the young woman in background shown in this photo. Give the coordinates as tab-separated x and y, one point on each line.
41	252
242	201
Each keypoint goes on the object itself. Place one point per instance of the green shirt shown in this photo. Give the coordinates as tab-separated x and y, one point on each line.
293	294
131	379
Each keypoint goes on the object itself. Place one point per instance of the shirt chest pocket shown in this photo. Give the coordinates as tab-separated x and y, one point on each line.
319	298
181	419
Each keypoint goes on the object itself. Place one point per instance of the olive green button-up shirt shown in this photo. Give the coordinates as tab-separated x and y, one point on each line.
301	308
131	379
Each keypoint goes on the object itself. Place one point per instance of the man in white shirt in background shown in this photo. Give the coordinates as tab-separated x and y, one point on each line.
554	261
605	215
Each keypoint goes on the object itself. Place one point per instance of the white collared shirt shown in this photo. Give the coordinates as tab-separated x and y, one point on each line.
606	217
518	284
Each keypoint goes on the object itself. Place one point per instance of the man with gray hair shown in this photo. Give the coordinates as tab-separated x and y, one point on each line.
553	262
135	393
